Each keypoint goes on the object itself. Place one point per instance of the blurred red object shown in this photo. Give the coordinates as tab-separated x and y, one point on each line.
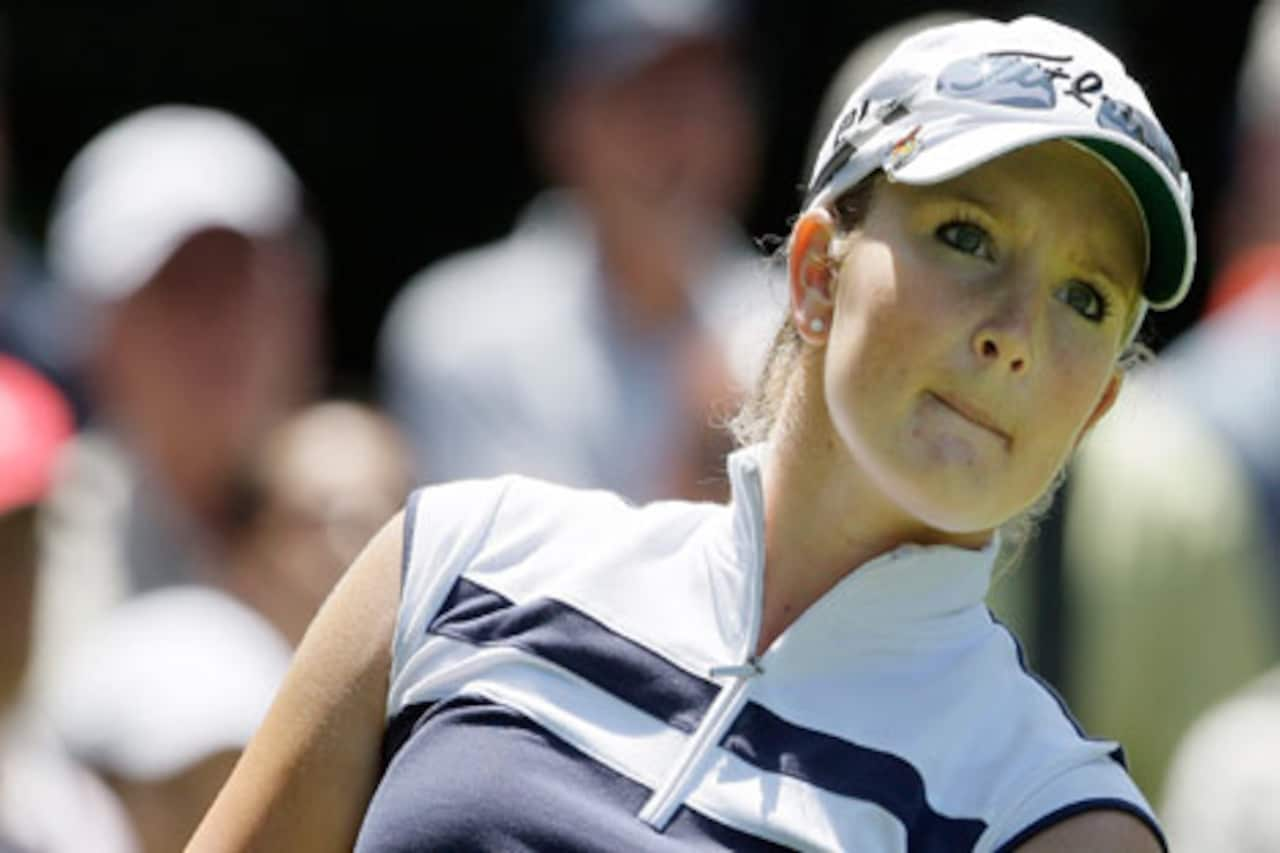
1252	273
35	422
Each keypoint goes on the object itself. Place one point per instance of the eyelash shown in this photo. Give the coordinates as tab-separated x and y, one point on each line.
966	221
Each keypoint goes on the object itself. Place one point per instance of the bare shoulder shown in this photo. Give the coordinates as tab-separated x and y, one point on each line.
306	778
360	613
1098	831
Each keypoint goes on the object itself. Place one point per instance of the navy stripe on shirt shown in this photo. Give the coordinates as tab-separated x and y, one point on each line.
575	641
766	740
452	787
569	638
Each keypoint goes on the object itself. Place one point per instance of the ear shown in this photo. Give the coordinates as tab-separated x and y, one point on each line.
810	273
1105	402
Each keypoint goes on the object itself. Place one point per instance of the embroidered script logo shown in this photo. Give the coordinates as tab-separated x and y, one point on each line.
1027	80
1002	79
1137	125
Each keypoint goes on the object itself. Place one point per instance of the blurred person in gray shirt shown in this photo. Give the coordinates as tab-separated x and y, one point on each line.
594	344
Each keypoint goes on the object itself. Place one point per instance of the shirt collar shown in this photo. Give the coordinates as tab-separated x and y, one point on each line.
909	585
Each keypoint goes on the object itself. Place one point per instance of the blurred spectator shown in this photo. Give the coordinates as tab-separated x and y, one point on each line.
161	696
323	484
47	802
181	231
1223	784
1224	780
592	344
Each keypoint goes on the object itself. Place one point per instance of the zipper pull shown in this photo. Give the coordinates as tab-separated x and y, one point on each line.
749	669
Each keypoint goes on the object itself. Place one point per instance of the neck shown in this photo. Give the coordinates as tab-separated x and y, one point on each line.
649	292
824	516
651	259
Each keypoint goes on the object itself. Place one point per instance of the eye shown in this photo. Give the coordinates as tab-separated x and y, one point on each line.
1085	299
968	238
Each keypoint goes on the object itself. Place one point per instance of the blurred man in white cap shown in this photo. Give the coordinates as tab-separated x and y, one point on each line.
182	231
591	345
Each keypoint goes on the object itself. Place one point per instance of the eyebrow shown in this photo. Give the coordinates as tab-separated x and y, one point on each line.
971	195
1096	270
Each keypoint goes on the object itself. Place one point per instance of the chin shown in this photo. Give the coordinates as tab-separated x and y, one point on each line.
956	516
963	525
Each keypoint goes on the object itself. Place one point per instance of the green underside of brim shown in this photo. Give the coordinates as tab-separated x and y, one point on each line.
1168	240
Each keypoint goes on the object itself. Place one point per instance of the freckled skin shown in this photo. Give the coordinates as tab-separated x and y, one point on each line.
959	382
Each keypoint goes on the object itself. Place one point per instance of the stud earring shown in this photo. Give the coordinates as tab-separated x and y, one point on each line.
817	326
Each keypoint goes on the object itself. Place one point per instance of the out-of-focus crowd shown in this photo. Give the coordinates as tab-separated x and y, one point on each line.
178	494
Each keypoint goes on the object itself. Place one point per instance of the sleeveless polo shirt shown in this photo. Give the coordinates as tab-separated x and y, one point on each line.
572	672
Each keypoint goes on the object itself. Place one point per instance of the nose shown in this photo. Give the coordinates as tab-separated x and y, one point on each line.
1000	350
1004	339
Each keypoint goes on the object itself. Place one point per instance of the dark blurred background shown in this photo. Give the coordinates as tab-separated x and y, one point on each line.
407	123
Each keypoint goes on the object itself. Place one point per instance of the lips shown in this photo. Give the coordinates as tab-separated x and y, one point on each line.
974	415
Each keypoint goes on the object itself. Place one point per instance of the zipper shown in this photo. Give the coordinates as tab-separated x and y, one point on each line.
668	796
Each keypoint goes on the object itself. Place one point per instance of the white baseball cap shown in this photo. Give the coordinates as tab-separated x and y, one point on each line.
166	680
953	97
610	39
146	183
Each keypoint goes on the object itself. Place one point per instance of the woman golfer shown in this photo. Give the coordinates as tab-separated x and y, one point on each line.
514	665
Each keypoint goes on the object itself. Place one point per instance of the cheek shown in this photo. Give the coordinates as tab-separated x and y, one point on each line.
876	357
1068	402
890	315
